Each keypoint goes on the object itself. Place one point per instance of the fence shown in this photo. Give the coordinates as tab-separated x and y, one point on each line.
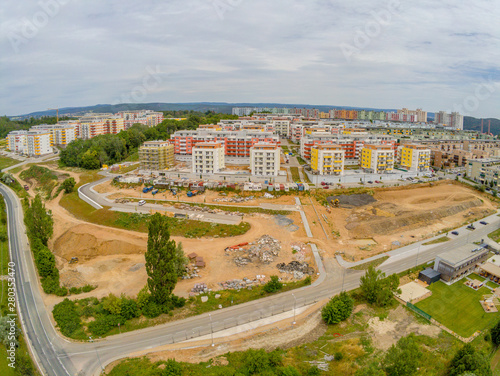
419	311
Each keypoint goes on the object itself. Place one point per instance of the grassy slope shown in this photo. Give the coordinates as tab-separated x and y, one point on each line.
7	162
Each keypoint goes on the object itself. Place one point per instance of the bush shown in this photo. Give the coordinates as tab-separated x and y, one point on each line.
307	280
495	334
172	368
61	291
338	308
129	308
68	185
88	288
273	285
104	323
339	356
75	290
67	318
50	284
178	302
112	304
151	310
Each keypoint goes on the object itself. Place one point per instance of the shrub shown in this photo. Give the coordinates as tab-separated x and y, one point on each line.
61	291
151	310
307	280
172	368
338	308
112	304
50	284
66	317
129	308
104	323
88	288
273	285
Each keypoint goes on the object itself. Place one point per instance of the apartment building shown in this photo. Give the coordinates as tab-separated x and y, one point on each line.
208	158
61	134
377	159
235	143
327	159
265	159
282	127
455	158
156	155
92	125
419	115
38	143
145	117
482	170
17	142
453	120
415	157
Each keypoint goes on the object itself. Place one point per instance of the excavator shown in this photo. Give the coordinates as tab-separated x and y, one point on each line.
336	203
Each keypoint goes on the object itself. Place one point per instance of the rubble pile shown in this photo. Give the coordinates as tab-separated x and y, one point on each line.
268	195
238	284
199	288
263	249
299	251
298	269
205	209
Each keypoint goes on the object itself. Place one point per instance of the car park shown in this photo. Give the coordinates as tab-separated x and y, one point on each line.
454	232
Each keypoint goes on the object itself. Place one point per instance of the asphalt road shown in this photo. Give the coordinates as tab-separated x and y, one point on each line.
58	356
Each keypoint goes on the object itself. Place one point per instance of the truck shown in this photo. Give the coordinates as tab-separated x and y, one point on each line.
154	192
191	193
147	189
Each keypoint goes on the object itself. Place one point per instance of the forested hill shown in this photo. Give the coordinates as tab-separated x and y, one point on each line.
474	124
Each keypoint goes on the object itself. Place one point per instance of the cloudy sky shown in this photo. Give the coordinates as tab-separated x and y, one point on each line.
437	55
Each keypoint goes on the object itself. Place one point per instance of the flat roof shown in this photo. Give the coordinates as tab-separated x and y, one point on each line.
491	269
461	254
431	273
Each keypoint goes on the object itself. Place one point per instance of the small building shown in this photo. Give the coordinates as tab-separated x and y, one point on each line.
491	271
460	261
429	276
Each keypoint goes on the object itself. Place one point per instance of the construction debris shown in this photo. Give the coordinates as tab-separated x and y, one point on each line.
264	250
236	199
298	269
205	209
245	283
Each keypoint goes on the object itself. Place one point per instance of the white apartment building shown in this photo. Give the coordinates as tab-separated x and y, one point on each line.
327	159
377	159
208	158
282	127
61	134
265	159
17	142
38	142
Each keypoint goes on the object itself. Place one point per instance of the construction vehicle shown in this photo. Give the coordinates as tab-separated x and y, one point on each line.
236	246
154	192
147	189
336	203
73	260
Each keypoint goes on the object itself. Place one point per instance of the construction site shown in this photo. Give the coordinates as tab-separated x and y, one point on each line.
357	226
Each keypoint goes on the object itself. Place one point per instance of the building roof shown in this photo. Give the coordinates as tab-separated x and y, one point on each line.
491	269
462	254
430	273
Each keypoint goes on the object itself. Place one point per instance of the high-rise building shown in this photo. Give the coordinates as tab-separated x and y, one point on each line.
265	159
453	120
377	158
327	159
38	143
156	155
208	158
415	157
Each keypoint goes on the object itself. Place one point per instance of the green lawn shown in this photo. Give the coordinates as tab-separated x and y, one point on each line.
7	162
495	235
457	307
442	239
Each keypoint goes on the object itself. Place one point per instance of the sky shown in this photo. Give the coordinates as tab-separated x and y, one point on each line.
430	54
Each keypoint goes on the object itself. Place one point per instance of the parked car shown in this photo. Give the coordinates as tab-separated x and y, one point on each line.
454	232
471	227
142	202
483	222
376	181
369	182
325	187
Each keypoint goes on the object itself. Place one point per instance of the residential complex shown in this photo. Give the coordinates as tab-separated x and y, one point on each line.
156	155
144	117
484	170
377	159
208	158
415	157
265	159
453	120
327	159
38	143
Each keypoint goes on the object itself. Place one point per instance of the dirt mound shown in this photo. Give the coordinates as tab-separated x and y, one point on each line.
87	244
407	221
350	201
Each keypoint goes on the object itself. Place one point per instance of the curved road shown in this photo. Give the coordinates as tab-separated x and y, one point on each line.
58	356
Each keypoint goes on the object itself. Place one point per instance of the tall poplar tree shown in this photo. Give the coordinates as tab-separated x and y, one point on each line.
39	221
160	260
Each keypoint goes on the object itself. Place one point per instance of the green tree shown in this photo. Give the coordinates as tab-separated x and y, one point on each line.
338	308
39	221
5	325
45	262
376	288
68	185
180	260
172	368
467	359
495	334
373	369
402	359
273	285
160	260
112	304
90	160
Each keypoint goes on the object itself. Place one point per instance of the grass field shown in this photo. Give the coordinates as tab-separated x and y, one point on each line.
457	307
442	239
495	235
7	162
295	174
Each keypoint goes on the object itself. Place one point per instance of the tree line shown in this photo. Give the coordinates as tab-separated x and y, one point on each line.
109	149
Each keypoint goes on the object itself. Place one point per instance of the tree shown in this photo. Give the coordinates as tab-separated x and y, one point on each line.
467	359
373	369
338	308
172	368
160	260
112	304
68	185
495	334
90	160
402	359
273	285
39	221
377	289
6	336
180	260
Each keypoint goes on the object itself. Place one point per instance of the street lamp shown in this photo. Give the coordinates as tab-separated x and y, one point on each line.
418	251
98	357
211	328
294	306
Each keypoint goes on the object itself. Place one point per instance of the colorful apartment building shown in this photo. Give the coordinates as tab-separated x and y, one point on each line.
208	158
145	117
92	125
377	159
415	157
38	143
61	134
327	159
265	159
17	142
156	155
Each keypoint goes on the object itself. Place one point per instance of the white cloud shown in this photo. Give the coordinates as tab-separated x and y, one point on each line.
428	54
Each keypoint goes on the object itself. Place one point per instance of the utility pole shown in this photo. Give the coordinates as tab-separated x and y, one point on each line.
98	357
294	306
211	328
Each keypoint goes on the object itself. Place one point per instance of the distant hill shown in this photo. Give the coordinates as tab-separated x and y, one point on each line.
471	123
